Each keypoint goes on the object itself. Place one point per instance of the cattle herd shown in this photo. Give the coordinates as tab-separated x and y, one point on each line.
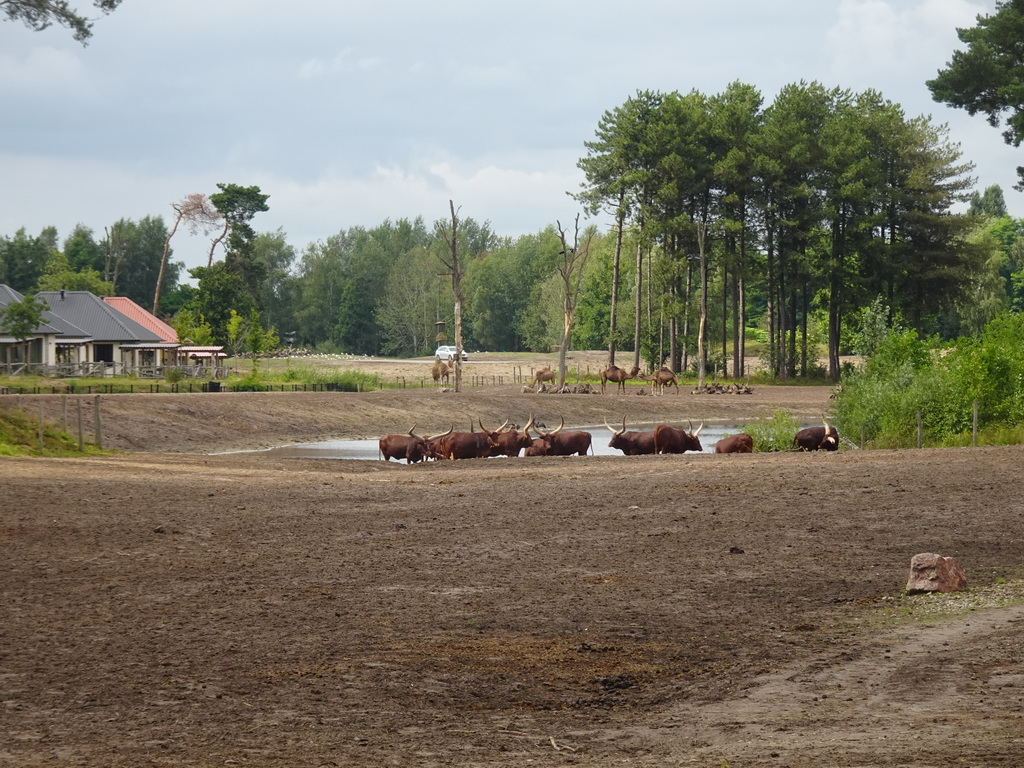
508	440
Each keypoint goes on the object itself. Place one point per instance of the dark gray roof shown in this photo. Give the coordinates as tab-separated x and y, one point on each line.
95	317
51	323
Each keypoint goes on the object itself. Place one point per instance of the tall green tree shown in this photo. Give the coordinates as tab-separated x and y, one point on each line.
239	205
60	275
82	250
133	254
25	257
988	77
19	319
276	255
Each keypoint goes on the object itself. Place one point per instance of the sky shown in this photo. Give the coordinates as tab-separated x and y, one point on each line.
353	112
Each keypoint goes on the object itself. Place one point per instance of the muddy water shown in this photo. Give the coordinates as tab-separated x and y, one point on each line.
367	449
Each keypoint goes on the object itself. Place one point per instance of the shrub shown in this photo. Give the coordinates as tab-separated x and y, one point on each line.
774	433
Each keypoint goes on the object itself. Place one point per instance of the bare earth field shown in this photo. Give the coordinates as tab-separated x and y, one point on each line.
168	606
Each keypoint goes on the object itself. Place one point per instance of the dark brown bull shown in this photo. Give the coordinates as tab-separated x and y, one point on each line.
434	443
510	442
410	447
671	440
741	443
631	443
559	443
823	438
465	445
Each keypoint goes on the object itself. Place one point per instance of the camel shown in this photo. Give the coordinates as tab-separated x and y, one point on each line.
661	379
618	375
542	375
441	370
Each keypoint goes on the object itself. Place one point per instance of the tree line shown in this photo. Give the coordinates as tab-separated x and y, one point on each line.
733	223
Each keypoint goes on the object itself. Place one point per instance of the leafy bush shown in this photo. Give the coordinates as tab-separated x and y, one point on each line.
906	375
774	433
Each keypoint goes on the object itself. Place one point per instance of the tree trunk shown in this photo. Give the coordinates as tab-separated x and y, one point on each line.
620	224
163	262
702	327
638	309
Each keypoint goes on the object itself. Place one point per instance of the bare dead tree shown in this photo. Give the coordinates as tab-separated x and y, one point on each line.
450	234
217	241
199	215
574	259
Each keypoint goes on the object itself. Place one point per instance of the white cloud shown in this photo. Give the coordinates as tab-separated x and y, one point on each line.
44	70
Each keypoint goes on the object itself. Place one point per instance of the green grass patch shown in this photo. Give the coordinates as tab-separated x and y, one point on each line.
19	436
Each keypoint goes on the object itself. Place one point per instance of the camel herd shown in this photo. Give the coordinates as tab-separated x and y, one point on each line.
661	379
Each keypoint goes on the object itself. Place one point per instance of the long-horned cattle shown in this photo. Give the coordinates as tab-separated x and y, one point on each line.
467	445
739	443
824	438
618	375
560	443
410	447
668	439
631	443
510	442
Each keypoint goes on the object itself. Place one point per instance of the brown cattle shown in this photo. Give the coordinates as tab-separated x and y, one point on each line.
559	443
466	445
671	440
410	447
741	443
824	438
618	375
511	442
631	443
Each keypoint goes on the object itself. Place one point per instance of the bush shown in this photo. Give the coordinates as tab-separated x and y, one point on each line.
774	433
906	375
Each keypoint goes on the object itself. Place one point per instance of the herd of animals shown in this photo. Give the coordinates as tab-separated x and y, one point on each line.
661	380
508	440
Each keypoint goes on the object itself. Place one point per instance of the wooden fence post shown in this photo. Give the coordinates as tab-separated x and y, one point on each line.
99	424
40	427
81	427
974	427
920	430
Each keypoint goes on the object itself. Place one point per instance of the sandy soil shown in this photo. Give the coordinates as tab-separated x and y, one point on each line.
170	607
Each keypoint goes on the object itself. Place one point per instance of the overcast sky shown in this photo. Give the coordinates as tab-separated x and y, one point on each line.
350	112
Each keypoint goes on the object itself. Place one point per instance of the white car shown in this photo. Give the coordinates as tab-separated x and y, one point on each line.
447	354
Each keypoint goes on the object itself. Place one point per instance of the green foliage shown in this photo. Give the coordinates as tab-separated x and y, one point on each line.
872	328
907	375
988	75
20	318
774	433
133	251
233	333
192	328
59	275
38	15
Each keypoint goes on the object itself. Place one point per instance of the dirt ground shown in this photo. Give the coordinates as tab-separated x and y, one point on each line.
170	606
